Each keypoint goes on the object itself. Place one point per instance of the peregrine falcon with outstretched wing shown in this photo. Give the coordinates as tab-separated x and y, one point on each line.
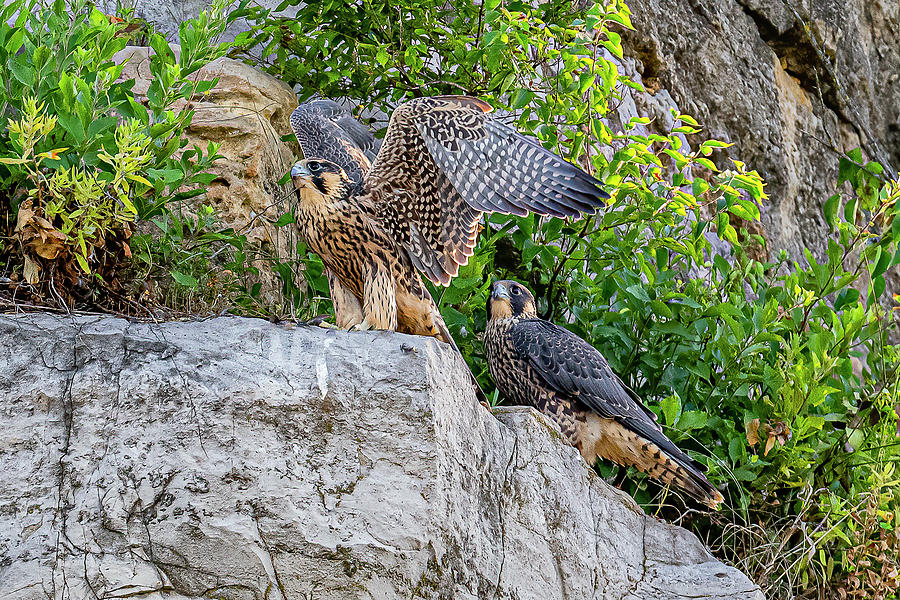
539	364
416	206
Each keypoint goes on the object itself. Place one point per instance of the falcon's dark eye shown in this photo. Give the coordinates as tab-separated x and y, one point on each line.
516	291
313	166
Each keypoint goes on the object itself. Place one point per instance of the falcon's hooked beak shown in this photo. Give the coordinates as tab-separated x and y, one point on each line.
319	180
301	175
499	290
510	299
499	305
300	170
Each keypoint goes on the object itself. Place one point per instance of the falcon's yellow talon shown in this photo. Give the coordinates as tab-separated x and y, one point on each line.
362	326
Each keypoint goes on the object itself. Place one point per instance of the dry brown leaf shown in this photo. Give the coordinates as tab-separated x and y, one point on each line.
38	234
41	224
48	244
780	431
752	432
26	213
769	443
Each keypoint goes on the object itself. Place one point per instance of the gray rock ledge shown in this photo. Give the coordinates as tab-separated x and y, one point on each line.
237	459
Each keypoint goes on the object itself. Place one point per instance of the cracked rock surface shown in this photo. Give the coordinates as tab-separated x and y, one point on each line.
233	458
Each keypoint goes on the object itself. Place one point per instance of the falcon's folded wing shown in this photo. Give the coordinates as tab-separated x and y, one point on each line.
571	366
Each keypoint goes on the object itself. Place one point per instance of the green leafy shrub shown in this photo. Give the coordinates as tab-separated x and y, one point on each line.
84	156
778	373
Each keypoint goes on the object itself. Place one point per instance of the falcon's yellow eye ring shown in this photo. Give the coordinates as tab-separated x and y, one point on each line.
313	166
516	291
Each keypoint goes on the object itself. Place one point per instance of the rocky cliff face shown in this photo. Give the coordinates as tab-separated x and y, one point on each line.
791	83
233	458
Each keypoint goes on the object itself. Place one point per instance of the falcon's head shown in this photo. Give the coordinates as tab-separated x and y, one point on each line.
509	299
319	179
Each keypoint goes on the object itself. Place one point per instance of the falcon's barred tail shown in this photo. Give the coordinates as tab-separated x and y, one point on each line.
688	479
627	448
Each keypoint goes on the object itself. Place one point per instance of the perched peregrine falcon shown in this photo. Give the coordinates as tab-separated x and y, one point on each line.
442	164
537	363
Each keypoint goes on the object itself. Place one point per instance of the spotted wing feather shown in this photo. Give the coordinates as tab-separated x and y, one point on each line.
444	162
572	367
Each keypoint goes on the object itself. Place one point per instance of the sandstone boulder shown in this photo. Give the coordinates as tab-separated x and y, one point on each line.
246	113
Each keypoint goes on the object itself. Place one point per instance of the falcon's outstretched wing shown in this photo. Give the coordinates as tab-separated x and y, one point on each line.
444	162
571	366
327	130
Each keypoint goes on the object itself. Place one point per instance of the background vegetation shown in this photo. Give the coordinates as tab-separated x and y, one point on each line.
94	177
779	374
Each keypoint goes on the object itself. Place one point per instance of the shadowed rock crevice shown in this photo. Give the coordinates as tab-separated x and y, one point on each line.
239	459
799	57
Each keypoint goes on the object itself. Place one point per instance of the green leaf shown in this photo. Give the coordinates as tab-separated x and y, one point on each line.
15	40
529	251
736	448
522	98
731	235
700	186
168	176
670	406
40	57
82	262
67	92
742	213
100	125
162	49
661	309
884	261
139	179
707	163
850	209
830	210
846	297
878	286
184	279
72	124
847	170
721	264
691	419
745	474
638	292
21	70
285	219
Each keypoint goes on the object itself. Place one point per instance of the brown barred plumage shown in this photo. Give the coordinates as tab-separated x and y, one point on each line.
536	363
417	204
